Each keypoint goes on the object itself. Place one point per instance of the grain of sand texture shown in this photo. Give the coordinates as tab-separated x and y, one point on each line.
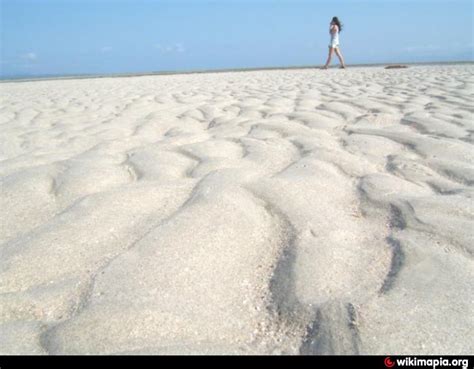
265	212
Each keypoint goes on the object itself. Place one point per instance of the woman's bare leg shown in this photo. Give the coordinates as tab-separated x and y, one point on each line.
339	55
329	57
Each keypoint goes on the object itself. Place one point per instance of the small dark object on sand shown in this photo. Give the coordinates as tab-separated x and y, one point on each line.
395	66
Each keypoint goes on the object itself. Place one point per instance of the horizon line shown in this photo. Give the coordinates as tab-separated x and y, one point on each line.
53	77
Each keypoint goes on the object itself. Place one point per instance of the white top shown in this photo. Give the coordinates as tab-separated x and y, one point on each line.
334	36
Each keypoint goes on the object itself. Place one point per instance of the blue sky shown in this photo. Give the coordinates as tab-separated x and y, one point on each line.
40	37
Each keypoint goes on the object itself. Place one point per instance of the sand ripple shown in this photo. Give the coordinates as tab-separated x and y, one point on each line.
295	211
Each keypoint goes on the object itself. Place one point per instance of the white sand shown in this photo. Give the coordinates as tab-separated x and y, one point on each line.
297	211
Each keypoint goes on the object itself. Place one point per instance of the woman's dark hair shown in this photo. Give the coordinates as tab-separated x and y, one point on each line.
337	22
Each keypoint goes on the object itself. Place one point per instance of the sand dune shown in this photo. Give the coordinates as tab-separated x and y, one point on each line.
268	212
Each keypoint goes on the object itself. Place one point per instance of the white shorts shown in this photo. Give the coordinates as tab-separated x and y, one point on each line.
334	45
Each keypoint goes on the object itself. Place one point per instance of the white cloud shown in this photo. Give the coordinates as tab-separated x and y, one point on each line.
179	48
31	56
174	48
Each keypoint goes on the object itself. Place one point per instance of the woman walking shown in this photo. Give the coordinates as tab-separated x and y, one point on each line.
334	29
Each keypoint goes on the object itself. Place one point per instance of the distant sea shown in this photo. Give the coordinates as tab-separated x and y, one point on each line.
26	78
